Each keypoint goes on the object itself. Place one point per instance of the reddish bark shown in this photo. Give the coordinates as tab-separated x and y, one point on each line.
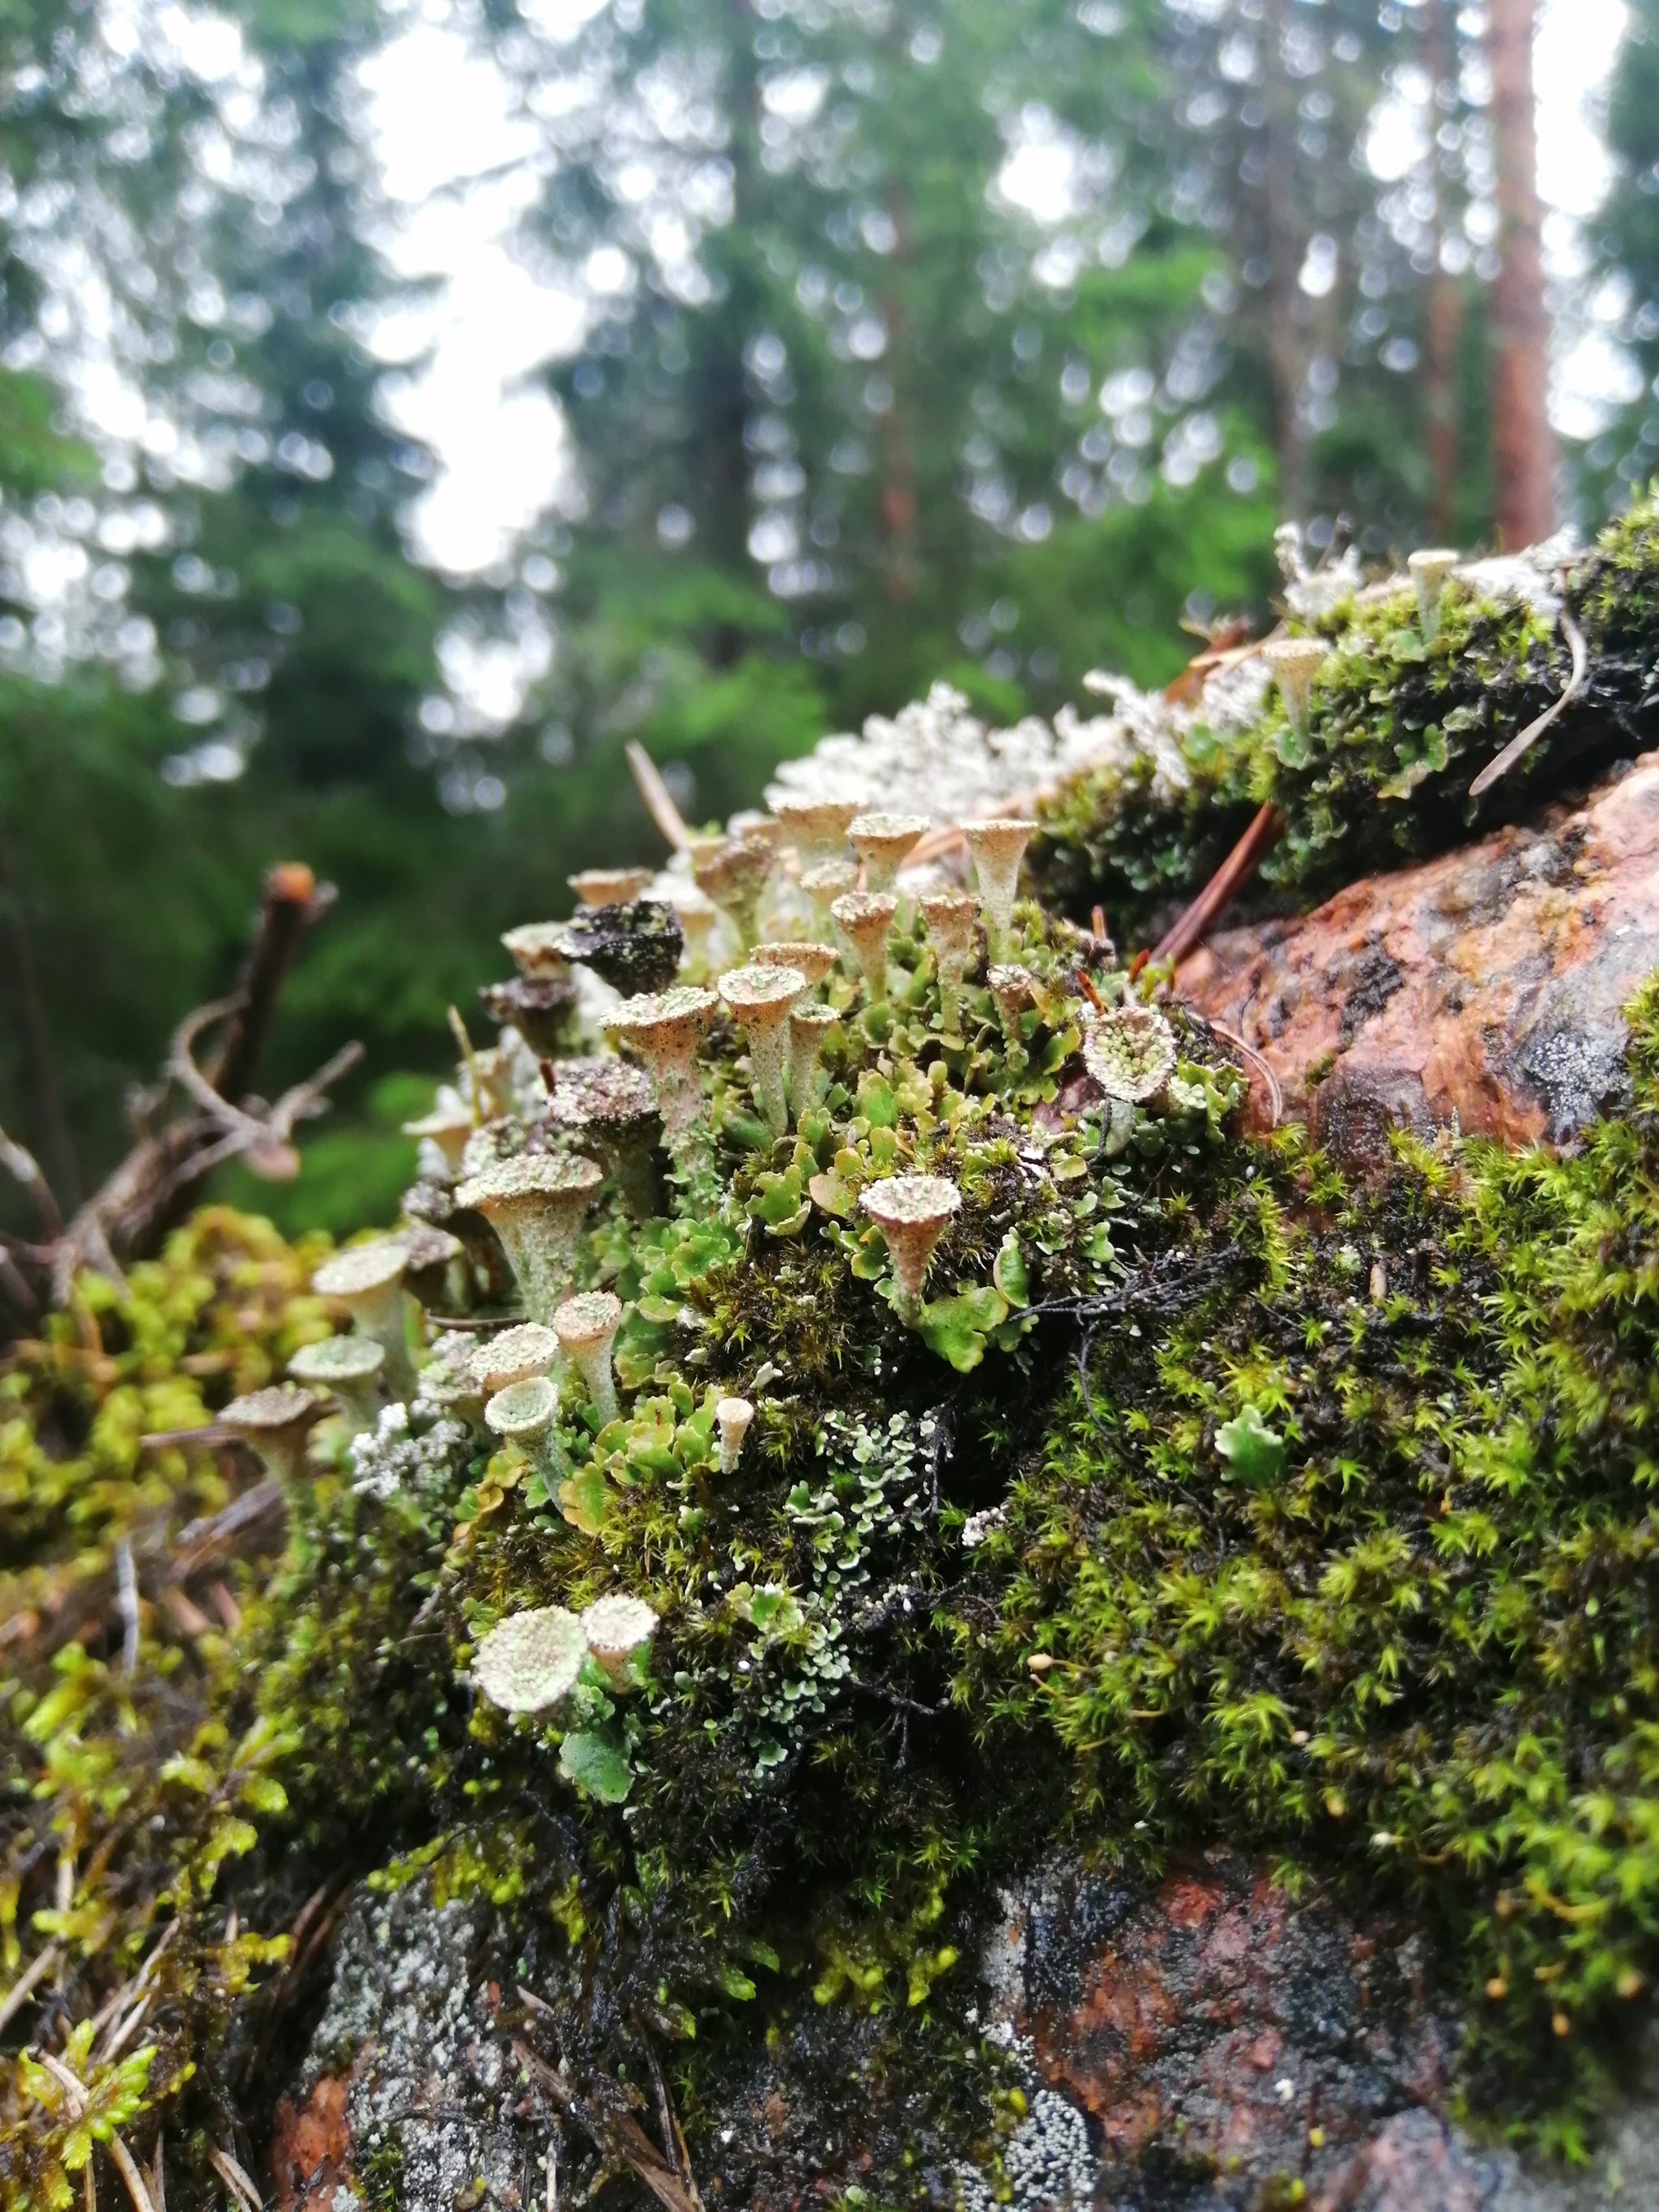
310	2150
1442	310
1523	443
899	509
1286	244
1217	2020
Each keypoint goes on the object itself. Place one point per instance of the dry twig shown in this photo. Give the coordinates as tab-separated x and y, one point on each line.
658	799
28	1981
612	2134
1528	737
126	1217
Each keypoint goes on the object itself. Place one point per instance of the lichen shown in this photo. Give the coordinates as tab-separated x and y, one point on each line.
1398	727
1196	1493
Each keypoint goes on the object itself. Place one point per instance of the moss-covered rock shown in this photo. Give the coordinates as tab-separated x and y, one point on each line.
1399	726
1195	1495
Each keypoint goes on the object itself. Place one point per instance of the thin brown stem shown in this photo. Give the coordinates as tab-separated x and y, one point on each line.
292	900
1224	886
658	799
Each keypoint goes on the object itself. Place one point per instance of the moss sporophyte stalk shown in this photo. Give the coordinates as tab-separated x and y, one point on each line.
663	1567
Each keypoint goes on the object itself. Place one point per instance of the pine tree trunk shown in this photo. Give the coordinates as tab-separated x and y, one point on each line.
1443	313
898	464
1523	444
1285	247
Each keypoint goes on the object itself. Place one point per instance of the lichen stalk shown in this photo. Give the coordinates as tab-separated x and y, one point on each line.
517	1355
866	919
1295	662
1428	569
619	1629
809	1026
526	1414
912	1213
586	1329
535	1204
824	884
666	1029
276	1425
369	1281
998	847
761	999
610	886
347	1367
951	919
814	961
884	843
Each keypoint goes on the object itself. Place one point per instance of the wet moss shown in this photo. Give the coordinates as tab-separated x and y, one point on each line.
1209	1497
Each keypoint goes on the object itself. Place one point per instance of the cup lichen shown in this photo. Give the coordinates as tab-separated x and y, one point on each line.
866	920
619	1629
530	1662
526	1414
761	998
665	1027
367	1280
535	1203
912	1212
276	1425
587	1326
952	919
998	847
349	1368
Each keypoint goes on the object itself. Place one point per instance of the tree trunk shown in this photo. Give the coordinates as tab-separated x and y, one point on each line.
1443	313
1523	443
1285	247
898	466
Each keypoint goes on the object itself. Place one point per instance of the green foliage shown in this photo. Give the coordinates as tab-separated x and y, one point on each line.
36	456
1626	242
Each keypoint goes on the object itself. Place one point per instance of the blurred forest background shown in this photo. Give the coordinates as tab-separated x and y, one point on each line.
845	344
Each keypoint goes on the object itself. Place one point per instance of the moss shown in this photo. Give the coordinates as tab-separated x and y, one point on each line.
1398	729
1324	1511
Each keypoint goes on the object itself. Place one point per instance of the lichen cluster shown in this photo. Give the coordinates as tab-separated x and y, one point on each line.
946	1439
1415	694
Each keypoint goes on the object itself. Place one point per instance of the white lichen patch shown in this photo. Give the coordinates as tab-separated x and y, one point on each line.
1130	1052
431	2088
531	1661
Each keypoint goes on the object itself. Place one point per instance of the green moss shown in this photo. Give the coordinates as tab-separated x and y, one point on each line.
1324	1511
1397	731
